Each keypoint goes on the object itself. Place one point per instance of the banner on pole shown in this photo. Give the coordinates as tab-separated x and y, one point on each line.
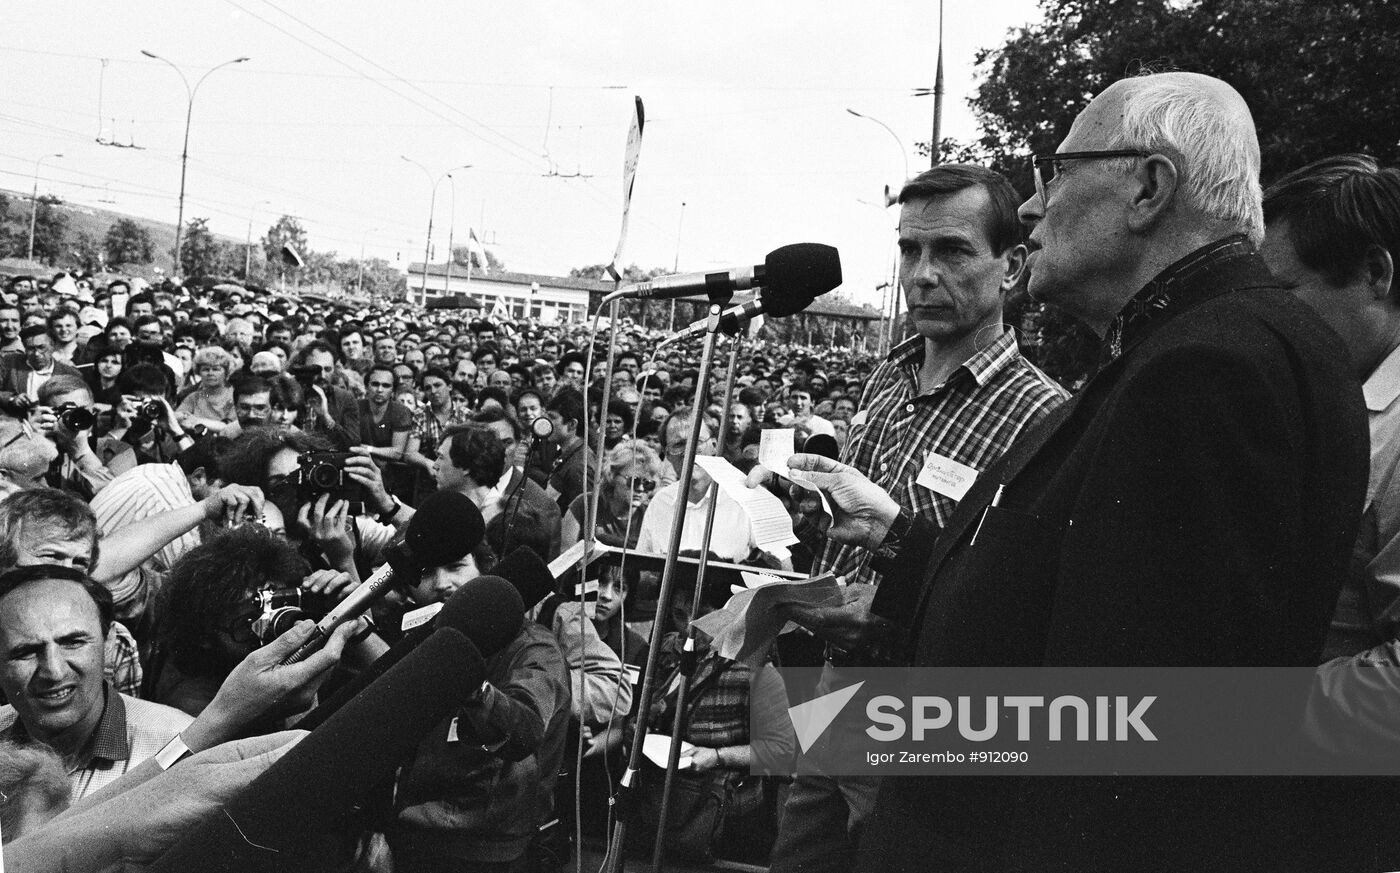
629	176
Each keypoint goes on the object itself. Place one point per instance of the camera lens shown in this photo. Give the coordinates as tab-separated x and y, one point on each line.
151	409
77	418
279	622
324	477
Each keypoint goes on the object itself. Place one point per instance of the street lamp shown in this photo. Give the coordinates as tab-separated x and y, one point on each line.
360	282
451	227
185	152
248	247
432	204
897	141
34	202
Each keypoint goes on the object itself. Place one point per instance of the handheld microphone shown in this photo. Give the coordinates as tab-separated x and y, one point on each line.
488	610
799	265
444	529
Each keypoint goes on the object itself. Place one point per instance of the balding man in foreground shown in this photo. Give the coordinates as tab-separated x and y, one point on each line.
1193	506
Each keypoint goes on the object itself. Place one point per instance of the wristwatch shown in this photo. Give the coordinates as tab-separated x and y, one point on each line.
387	516
897	535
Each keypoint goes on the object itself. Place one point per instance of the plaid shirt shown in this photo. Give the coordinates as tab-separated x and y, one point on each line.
971	418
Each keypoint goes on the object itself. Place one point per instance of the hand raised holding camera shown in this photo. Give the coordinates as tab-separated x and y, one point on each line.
234	504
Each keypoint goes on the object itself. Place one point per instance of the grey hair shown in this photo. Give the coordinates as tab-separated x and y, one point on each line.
1216	142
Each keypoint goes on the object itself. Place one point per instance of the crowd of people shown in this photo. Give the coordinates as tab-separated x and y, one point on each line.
195	472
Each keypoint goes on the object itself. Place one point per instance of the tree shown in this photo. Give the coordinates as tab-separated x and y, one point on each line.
88	252
286	232
200	254
463	255
128	242
50	231
380	278
1315	75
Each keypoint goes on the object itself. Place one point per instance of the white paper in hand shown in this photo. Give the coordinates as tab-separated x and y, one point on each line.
657	748
775	447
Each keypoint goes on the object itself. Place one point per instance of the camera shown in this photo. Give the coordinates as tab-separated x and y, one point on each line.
324	473
279	611
77	418
151	410
306	375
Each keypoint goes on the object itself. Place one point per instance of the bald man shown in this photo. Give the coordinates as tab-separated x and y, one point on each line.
1194	505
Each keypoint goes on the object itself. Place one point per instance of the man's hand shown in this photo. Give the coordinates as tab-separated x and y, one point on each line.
850	626
320	406
261	686
45	421
332	583
864	512
170	422
362	468
325	525
234	504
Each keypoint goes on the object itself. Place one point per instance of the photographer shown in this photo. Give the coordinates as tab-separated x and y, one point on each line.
334	537
226	598
145	419
22	376
331	411
86	464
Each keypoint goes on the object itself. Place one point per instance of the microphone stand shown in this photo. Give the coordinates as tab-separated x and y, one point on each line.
689	655
590	539
625	799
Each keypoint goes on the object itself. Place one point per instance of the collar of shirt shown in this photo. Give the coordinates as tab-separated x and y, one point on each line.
1383	386
108	740
1178	287
982	367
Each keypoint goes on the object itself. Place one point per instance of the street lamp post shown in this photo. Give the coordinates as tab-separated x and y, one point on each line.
451	228
360	282
34	202
897	141
894	304
432	205
185	151
248	246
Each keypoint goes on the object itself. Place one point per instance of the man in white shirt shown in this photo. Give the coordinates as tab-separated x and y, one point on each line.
732	538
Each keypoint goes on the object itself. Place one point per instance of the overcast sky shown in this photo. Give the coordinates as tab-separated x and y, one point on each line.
745	105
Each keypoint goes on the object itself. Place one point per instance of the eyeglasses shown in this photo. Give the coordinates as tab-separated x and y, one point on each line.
1047	167
643	486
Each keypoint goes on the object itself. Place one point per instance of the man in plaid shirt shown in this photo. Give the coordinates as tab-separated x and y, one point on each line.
941	408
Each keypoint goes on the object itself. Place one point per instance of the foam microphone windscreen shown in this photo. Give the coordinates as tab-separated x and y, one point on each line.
823	444
483	610
795	274
527	571
279	821
445	527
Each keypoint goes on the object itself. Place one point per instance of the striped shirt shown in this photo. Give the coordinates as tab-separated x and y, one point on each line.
134	496
971	418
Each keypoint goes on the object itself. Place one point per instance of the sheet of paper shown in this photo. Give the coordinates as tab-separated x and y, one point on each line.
657	748
768	518
752	618
775	446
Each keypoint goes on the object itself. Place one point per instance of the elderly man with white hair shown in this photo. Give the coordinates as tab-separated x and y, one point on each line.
1193	506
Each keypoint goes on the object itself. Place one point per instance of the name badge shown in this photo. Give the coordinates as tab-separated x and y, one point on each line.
946	476
423	615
